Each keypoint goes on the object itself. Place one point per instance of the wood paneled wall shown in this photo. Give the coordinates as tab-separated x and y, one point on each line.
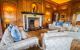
45	7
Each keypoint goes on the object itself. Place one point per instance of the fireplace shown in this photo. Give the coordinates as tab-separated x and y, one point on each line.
32	21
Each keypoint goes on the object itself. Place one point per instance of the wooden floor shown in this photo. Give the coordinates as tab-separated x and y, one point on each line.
74	46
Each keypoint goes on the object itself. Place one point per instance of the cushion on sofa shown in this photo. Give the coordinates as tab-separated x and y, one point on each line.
15	33
66	24
10	27
59	23
23	33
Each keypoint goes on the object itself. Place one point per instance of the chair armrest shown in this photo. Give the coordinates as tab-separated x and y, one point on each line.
24	44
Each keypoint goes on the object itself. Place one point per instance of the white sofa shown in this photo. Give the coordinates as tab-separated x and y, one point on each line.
57	43
59	40
7	42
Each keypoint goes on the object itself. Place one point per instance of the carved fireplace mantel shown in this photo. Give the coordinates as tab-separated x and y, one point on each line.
32	20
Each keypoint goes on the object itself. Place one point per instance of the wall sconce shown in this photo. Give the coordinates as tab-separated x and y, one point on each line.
49	20
7	20
55	8
8	8
48	6
64	7
48	13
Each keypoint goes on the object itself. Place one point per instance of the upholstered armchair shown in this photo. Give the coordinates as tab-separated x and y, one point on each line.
56	41
7	42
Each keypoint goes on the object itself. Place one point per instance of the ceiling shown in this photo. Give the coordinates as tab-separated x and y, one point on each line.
60	1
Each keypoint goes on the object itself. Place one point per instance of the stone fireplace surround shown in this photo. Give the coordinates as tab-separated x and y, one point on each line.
32	21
